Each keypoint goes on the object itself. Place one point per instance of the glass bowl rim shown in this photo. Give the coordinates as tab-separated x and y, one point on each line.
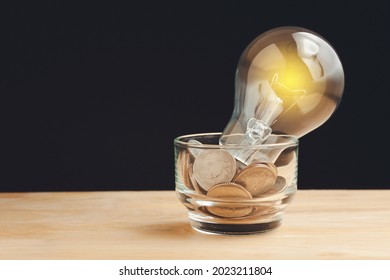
292	141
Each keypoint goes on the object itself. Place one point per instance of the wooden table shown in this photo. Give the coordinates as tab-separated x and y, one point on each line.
320	224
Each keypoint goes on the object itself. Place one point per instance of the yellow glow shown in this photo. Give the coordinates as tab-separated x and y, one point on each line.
296	75
294	78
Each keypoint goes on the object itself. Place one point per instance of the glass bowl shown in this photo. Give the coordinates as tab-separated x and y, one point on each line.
224	195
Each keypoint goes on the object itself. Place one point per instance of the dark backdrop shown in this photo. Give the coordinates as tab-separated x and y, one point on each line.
92	95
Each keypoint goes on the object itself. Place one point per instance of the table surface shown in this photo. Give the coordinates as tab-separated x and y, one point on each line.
319	224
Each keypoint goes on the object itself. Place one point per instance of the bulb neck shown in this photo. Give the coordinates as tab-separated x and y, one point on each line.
263	106
257	132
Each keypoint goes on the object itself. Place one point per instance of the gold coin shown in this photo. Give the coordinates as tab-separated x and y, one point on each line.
272	167
213	167
286	156
183	166
257	178
231	193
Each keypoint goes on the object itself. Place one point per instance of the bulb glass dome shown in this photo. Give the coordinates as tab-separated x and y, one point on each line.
289	80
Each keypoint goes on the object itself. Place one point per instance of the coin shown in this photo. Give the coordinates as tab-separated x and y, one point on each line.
183	164
193	181
231	193
263	210
280	184
286	156
272	167
212	167
257	178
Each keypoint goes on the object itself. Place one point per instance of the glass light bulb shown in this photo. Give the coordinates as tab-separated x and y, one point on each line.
289	80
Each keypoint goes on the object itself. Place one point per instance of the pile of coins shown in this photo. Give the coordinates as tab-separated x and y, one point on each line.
218	175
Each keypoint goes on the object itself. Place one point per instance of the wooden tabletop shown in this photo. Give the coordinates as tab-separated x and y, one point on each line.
319	224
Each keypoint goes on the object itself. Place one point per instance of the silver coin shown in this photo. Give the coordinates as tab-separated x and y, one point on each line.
193	180
279	186
213	167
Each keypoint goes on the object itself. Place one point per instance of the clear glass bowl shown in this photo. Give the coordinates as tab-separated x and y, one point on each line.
224	195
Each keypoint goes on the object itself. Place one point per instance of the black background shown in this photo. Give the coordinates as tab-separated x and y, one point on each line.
92	95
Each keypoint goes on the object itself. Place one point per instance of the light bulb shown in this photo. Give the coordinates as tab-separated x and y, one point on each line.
289	80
